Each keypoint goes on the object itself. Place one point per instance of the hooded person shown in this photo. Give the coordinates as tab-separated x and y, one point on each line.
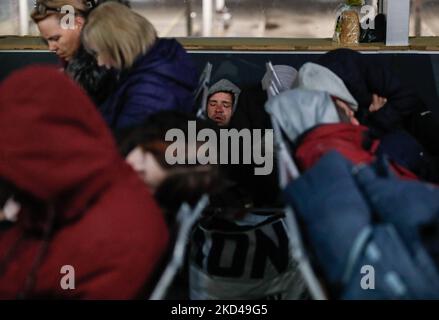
84	211
397	143
263	188
353	216
222	102
316	123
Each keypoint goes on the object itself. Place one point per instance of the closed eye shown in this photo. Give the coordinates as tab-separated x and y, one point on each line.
54	38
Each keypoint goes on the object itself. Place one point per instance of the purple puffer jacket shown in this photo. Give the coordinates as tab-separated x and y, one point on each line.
163	79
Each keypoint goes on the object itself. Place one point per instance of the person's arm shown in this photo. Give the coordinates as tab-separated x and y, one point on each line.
377	103
400	101
143	100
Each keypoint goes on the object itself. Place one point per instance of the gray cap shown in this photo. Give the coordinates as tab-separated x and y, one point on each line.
286	75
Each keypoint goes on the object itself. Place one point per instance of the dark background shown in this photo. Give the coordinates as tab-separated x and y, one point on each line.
420	71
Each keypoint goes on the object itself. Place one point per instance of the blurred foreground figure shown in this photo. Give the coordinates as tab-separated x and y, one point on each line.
371	235
79	206
236	250
145	148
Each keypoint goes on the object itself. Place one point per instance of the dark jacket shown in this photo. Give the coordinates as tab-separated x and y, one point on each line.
364	77
162	79
250	114
356	144
96	81
93	211
364	216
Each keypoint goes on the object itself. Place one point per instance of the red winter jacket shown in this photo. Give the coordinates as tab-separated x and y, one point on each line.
344	138
98	217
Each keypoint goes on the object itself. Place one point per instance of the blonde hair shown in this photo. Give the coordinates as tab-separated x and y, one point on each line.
119	33
46	8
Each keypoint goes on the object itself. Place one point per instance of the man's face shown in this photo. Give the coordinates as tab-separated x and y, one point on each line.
219	108
63	41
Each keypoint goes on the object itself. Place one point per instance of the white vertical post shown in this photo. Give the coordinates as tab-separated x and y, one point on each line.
371	3
398	22
380	6
220	4
24	17
417	7
207	17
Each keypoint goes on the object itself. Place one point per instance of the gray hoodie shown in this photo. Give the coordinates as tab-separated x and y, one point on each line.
299	110
313	76
223	85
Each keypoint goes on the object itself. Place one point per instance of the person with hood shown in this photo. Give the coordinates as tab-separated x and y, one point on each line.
385	103
398	144
250	114
66	44
154	74
312	76
82	212
222	100
315	123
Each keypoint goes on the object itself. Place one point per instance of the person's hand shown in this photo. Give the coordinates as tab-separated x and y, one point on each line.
345	112
377	103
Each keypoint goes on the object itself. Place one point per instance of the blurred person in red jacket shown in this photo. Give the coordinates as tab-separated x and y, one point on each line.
78	205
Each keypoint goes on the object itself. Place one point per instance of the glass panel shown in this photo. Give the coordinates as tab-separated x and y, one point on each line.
423	18
229	18
9	17
241	18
